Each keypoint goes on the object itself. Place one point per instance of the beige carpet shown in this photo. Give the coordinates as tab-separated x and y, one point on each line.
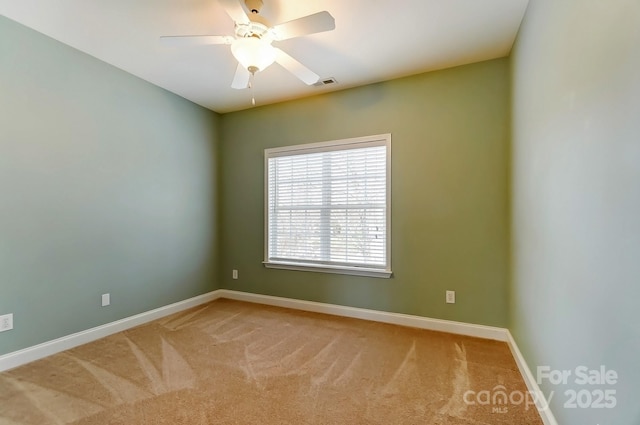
229	362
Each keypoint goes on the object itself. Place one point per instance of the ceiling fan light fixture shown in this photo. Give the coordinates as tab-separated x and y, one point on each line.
253	53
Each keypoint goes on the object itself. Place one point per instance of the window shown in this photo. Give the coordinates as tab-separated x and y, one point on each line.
328	206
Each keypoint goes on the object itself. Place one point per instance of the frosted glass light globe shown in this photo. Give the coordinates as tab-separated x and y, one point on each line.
253	52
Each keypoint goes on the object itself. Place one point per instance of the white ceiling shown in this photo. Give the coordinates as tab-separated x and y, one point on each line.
374	40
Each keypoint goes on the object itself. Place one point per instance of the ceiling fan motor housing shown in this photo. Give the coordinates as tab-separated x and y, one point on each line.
257	26
252	29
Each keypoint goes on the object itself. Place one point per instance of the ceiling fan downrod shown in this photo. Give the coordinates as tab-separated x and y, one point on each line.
254	6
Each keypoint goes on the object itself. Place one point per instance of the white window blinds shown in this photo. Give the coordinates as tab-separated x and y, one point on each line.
328	204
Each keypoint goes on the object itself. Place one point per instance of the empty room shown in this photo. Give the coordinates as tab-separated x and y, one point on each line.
320	212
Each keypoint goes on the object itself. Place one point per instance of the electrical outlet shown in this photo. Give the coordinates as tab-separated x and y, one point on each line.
451	297
6	322
106	300
235	274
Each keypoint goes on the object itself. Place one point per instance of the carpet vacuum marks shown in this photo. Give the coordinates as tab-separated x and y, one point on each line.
231	362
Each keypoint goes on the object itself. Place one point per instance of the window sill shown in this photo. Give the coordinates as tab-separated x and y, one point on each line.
354	271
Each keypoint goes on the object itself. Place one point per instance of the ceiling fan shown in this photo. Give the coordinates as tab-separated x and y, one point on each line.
251	45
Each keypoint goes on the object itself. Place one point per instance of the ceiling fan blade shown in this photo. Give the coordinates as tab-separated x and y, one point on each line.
318	22
296	68
241	79
235	10
195	40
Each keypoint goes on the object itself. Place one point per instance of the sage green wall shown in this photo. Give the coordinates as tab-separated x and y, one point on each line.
450	132
576	199
107	184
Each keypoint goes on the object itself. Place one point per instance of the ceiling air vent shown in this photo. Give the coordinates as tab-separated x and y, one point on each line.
325	81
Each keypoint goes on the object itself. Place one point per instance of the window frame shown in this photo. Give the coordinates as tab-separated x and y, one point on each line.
333	145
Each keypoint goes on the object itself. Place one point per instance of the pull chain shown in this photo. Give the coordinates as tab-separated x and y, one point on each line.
253	97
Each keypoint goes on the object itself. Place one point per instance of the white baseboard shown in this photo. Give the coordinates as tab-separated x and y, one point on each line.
36	352
532	384
18	358
480	331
